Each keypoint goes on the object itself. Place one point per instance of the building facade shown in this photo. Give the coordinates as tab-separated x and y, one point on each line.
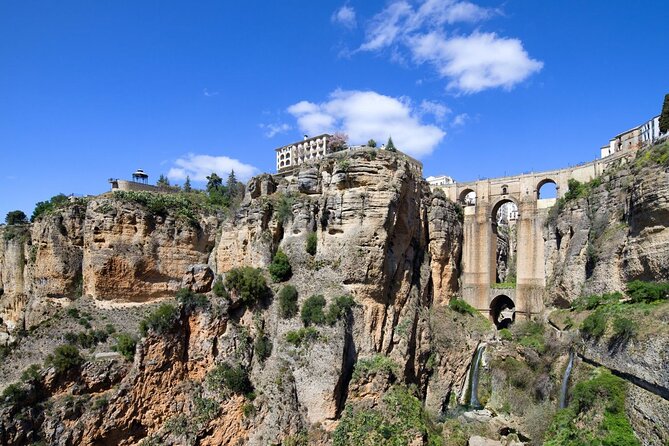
292	155
441	180
635	138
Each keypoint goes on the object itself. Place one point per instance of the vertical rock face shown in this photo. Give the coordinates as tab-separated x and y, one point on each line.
133	254
615	234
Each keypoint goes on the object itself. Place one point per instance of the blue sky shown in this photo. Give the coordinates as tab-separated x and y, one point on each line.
93	90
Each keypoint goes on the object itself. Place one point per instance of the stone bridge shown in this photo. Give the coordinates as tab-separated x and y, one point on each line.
481	201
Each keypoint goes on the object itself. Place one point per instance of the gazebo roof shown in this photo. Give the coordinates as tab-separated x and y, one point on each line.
140	173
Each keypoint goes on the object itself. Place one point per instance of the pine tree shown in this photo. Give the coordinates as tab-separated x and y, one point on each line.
664	117
163	181
187	186
214	183
390	145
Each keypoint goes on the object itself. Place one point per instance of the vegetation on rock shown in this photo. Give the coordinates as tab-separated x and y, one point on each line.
288	301
246	283
160	320
280	268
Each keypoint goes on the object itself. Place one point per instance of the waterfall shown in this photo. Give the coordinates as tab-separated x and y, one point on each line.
474	378
565	380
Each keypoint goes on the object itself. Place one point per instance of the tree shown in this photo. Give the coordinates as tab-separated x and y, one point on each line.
163	181
187	186
338	142
16	218
214	183
280	268
664	117
43	207
371	143
390	145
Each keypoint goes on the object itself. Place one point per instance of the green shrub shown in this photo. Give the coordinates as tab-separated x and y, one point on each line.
191	300
596	415
247	283
219	288
262	346
230	377
312	243
339	308
639	291
594	325
302	336
595	300
530	334
624	329
506	334
64	358
32	374
125	345
45	207
376	364
576	189
288	301
398	419
160	320
280	268
284	208
14	395
16	218
312	310
461	306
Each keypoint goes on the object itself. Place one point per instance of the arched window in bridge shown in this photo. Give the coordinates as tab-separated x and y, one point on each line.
546	189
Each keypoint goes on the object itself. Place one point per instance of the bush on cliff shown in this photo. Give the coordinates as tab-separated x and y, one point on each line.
44	207
16	218
596	415
594	325
339	308
312	243
191	300
639	291
288	301
64	358
280	268
247	283
219	288
160	321
126	345
312	310
230	377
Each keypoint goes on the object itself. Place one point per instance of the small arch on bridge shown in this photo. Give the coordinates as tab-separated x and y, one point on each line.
499	204
467	197
502	311
547	188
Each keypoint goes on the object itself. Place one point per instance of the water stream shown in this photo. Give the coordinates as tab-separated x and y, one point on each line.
565	380
474	379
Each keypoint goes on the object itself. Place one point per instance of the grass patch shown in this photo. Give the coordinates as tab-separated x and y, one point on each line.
461	307
376	364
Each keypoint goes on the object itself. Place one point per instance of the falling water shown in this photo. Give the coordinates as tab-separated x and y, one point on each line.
565	380
474	378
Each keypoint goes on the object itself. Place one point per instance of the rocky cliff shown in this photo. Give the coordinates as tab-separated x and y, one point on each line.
616	231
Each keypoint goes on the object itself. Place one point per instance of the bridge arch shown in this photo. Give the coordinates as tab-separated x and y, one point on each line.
501	202
545	182
467	197
502	311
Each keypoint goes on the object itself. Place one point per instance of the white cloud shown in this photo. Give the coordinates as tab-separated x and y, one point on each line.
210	94
471	63
344	16
198	167
439	111
460	120
366	114
476	62
274	129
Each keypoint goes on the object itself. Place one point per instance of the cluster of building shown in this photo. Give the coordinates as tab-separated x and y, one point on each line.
640	136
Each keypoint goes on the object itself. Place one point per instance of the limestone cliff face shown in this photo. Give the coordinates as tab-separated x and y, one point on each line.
130	253
382	237
106	249
616	234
